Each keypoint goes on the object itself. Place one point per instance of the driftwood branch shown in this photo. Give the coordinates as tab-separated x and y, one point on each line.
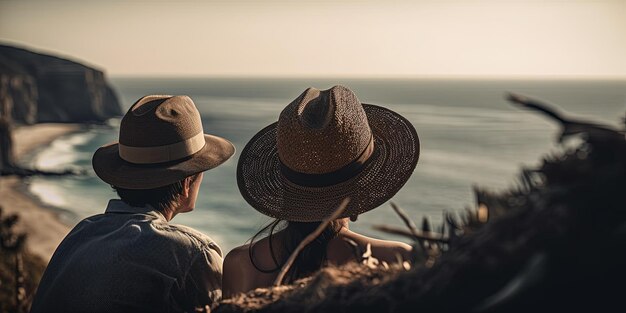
570	126
308	239
536	105
405	218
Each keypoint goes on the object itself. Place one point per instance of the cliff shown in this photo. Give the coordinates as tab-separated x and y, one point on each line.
43	88
38	88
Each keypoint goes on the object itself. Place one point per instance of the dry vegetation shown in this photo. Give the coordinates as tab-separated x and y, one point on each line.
20	271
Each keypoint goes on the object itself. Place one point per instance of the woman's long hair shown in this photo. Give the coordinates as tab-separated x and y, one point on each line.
310	259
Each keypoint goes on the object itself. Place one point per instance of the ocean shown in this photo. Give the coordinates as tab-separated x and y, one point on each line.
470	136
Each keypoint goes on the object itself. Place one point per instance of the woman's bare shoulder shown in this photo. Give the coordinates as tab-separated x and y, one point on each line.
237	270
238	254
260	252
234	263
240	274
238	261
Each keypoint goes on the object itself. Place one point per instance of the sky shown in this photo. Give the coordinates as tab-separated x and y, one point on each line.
350	38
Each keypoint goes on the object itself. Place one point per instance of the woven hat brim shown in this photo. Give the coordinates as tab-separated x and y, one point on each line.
112	169
395	156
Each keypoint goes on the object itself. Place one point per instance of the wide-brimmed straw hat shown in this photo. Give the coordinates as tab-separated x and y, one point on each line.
161	142
327	146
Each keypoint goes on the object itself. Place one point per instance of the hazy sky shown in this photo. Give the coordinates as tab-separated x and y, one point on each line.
572	38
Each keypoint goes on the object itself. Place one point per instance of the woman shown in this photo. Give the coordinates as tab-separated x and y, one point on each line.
325	147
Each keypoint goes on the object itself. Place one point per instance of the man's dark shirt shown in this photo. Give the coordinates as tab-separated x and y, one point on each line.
131	260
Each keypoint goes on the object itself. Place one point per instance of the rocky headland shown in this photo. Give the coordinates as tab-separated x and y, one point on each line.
41	88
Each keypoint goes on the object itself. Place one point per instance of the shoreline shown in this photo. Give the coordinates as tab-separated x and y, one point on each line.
44	227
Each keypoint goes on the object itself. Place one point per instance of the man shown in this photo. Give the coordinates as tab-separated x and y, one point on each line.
130	259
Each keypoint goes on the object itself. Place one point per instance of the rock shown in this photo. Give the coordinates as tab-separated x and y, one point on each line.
37	88
43	88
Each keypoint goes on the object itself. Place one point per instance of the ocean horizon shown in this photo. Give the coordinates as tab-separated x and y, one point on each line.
470	136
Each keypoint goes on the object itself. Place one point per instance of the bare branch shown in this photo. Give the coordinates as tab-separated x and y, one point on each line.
308	239
535	105
405	218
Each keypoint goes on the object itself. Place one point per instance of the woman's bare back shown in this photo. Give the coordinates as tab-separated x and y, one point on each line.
241	275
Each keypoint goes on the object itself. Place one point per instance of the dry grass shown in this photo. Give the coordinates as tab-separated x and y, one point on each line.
20	271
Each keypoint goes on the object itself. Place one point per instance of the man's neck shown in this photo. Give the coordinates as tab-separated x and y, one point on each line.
168	213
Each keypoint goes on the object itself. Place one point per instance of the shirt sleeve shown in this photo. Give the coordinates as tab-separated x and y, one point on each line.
203	283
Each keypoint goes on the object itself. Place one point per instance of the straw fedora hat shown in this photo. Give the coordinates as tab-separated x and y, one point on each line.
327	146
161	141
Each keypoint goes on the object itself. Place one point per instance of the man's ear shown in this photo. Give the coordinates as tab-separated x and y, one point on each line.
186	186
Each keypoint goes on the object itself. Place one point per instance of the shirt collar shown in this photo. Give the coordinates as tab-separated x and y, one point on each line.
119	206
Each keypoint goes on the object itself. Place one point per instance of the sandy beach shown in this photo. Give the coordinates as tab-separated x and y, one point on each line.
45	230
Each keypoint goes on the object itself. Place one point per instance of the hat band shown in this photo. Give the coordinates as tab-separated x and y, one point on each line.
328	179
160	154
